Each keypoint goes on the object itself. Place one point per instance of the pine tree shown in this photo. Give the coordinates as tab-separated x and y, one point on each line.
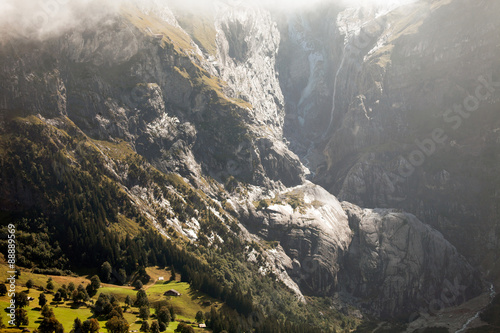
199	317
77	326
50	284
115	312
3	289
138	284
172	272
144	326
141	299
50	325
90	326
155	328
29	284
57	297
163	315
144	312
80	294
106	271
128	301
21	317
95	282
42	300
101	306
117	325
21	300
47	312
63	292
122	276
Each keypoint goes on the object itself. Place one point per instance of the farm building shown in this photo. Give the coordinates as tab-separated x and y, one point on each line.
172	292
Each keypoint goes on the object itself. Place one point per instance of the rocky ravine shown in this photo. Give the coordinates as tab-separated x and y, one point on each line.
140	77
415	112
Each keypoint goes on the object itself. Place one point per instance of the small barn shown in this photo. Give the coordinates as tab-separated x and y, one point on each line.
161	278
172	292
202	325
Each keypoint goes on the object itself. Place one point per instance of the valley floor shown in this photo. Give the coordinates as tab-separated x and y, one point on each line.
453	318
186	306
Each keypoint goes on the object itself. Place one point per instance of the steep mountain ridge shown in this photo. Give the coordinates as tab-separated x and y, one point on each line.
414	124
213	111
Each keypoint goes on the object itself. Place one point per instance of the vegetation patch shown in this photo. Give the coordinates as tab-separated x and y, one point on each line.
201	28
294	198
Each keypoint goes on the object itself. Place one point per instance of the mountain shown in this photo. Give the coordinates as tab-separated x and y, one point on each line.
233	130
413	121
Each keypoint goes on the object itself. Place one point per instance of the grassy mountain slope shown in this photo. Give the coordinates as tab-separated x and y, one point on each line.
77	202
186	306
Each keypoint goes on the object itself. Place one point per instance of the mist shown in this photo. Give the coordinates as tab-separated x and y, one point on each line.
40	19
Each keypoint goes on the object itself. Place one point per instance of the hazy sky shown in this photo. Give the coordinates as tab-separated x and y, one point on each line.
41	18
287	4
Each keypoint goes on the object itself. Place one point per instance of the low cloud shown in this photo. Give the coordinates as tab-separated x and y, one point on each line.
296	4
39	19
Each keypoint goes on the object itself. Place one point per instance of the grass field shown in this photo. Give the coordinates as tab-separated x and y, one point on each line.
185	306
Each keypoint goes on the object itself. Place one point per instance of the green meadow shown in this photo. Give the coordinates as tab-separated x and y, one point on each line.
186	305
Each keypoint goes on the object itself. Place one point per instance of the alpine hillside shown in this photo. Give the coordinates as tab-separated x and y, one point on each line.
320	167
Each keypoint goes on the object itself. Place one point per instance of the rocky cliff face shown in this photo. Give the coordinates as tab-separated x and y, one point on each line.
247	45
119	81
385	261
394	262
312	228
411	101
211	99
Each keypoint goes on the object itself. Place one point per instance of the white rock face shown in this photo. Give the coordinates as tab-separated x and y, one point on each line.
314	234
402	265
388	261
247	44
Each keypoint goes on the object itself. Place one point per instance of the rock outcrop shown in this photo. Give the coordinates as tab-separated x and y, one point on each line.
385	261
398	265
247	45
311	226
